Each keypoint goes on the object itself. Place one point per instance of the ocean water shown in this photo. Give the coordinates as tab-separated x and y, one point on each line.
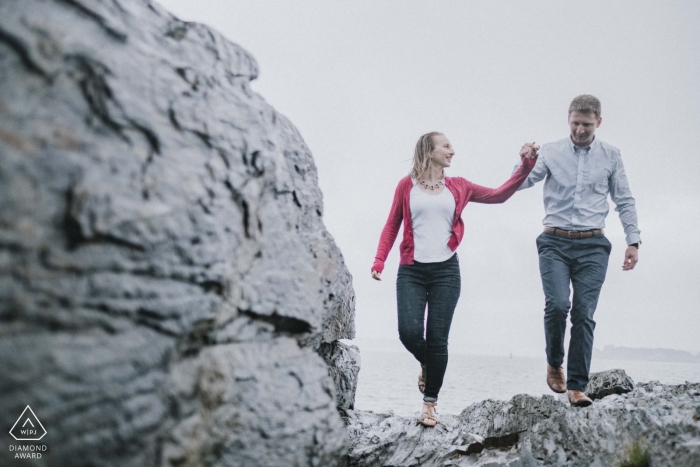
388	379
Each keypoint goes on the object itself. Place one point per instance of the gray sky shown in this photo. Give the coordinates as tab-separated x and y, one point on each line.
362	80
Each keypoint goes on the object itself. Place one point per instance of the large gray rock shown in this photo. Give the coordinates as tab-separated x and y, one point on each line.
343	366
529	431
654	413
165	275
608	382
499	422
389	440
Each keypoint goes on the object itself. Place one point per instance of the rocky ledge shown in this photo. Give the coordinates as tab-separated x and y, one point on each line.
662	422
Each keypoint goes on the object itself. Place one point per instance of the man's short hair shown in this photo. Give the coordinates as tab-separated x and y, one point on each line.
585	103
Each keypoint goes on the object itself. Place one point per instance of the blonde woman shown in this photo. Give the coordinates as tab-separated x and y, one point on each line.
430	206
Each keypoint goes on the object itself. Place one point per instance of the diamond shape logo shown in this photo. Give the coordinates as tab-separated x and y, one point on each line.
28	427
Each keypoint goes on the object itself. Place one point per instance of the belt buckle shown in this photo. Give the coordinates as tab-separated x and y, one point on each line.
569	232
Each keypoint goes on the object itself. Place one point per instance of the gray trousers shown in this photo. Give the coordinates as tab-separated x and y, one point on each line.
581	263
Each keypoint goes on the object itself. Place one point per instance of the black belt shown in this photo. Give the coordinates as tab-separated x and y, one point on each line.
574	233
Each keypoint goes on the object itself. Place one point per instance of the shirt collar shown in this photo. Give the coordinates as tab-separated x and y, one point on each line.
585	148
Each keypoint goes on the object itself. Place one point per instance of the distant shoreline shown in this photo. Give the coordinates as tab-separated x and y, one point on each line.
609	352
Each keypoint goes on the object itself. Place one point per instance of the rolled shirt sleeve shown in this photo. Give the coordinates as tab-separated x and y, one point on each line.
621	195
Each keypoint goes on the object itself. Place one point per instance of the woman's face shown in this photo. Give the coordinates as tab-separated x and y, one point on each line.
443	152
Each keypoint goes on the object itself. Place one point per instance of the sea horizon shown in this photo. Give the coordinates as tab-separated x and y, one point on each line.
394	345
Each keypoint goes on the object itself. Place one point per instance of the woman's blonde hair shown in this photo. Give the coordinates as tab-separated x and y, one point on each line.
422	162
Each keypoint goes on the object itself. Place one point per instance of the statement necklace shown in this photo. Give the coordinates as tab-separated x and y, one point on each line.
436	186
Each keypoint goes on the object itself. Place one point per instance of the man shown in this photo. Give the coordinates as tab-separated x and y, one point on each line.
579	171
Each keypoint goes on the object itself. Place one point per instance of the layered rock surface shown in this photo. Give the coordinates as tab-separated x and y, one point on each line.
165	276
344	367
529	431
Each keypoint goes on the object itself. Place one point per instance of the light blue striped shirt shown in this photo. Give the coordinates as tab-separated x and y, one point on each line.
577	184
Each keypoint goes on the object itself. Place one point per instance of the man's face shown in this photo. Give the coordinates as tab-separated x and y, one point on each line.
583	127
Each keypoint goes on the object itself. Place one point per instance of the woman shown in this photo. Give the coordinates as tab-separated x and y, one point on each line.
430	206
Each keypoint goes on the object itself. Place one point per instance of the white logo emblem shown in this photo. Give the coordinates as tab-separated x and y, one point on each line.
28	427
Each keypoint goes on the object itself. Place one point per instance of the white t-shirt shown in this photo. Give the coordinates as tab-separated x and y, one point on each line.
431	217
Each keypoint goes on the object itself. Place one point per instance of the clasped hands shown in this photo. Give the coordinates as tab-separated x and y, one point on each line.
530	150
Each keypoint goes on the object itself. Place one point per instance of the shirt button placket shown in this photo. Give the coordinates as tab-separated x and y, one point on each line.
581	161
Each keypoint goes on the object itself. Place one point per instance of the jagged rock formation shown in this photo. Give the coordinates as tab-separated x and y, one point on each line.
530	431
344	366
165	275
609	382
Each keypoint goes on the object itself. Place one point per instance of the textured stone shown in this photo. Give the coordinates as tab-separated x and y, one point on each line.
344	366
385	439
499	421
529	431
253	404
598	435
165	274
609	382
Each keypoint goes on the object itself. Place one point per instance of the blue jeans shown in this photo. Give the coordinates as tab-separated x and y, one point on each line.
438	285
581	263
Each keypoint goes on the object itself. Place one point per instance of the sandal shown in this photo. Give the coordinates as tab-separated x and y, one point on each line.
429	416
421	379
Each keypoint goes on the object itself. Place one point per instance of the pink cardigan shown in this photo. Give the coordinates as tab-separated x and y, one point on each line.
463	190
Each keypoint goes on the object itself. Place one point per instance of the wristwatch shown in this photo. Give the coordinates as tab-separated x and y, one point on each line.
636	245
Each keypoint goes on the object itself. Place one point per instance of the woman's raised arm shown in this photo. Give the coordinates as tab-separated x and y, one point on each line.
482	194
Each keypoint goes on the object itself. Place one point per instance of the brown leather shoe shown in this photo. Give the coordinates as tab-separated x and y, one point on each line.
556	379
578	399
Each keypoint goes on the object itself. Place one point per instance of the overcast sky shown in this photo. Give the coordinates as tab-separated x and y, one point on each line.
362	80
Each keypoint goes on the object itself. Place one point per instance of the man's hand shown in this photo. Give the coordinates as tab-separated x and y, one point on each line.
529	150
631	258
376	275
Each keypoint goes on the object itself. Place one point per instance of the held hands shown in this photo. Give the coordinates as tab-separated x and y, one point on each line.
631	258
530	150
376	275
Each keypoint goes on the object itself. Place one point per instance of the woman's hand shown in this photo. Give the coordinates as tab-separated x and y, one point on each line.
377	276
530	150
